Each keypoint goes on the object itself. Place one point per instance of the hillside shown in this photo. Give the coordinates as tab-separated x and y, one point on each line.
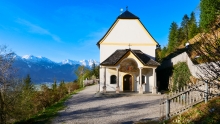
201	114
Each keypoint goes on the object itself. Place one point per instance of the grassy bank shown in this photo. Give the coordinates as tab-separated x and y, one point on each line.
45	116
200	114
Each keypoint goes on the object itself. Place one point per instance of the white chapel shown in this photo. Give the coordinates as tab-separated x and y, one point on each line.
127	57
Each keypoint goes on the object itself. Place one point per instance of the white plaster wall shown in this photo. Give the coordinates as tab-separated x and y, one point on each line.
107	50
129	31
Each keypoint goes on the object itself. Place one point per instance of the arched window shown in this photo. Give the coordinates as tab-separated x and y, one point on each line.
113	79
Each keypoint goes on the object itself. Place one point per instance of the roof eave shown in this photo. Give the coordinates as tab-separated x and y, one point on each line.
148	32
128	18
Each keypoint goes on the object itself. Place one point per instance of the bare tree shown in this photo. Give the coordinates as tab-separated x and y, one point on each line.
7	84
206	52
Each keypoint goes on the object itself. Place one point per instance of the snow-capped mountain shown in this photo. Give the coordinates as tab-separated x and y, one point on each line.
70	62
42	69
87	63
35	59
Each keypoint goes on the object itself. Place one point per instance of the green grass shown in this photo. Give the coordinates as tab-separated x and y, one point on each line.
45	116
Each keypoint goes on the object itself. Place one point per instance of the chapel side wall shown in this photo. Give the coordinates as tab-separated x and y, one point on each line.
107	50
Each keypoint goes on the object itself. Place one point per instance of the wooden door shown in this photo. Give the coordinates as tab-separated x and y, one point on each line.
127	83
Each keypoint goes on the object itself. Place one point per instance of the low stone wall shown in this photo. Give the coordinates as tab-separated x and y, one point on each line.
90	82
183	57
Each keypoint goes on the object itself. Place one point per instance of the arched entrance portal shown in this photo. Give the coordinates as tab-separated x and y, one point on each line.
127	83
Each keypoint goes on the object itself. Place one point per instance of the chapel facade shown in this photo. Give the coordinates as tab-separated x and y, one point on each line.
127	57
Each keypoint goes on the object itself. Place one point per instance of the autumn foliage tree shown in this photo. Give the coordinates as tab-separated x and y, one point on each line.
207	52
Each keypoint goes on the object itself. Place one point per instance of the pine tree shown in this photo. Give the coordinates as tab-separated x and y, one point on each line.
163	52
28	84
54	86
193	28
210	9
25	103
185	26
173	37
181	36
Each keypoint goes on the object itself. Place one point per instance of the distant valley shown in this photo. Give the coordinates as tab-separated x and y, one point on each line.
42	69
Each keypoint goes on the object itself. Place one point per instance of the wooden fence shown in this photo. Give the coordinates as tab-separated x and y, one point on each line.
180	100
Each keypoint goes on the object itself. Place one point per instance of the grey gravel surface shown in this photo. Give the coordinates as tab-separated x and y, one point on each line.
84	108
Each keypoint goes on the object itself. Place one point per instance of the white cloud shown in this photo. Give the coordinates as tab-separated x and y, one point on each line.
37	29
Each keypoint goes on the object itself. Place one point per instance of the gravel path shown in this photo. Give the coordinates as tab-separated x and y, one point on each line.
84	108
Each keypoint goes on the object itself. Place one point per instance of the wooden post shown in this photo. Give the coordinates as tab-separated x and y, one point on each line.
117	81
189	97
167	108
154	90
140	81
104	87
178	100
206	91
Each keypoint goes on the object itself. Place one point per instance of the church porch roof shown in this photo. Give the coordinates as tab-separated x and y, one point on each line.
119	54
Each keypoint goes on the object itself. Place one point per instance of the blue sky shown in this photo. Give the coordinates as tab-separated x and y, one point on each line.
70	29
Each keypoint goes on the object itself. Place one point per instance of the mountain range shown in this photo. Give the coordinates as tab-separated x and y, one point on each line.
42	69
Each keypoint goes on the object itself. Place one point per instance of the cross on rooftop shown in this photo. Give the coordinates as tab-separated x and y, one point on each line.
129	45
